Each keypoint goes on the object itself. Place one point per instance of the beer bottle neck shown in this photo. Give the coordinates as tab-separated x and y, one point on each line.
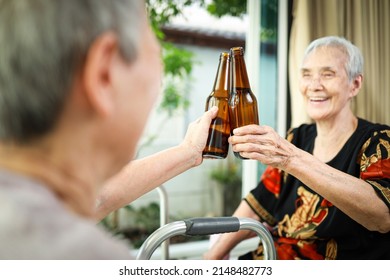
221	82
239	74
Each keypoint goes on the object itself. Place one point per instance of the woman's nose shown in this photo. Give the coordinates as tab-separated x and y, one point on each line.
315	83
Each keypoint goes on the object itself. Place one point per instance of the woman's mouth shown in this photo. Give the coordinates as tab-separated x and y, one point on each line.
318	99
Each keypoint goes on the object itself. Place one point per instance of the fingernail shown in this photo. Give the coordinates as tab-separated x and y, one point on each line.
213	109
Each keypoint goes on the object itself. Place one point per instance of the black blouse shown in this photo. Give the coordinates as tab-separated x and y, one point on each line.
307	226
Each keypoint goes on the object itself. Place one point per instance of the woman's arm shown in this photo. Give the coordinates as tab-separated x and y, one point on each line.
143	175
353	196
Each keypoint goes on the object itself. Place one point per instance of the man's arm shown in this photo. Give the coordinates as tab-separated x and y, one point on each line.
143	175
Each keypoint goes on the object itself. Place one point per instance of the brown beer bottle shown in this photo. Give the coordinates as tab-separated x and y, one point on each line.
217	145
242	102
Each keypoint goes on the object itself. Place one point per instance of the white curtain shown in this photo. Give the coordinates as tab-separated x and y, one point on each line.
366	23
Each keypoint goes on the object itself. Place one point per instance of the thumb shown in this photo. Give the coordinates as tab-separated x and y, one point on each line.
212	112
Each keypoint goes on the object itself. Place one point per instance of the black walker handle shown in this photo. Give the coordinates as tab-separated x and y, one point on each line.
207	226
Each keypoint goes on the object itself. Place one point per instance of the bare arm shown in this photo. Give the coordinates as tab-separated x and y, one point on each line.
143	175
227	241
353	196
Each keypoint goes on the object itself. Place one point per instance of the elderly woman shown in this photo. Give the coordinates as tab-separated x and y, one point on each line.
326	191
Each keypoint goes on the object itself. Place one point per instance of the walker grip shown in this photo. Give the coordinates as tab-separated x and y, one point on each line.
207	226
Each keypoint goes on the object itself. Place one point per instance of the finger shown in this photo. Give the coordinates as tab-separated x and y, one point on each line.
212	112
247	138
246	147
250	129
207	116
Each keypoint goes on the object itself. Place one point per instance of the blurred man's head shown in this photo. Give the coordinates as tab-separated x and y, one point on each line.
90	68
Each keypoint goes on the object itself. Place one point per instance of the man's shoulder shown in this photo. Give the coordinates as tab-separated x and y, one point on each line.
43	228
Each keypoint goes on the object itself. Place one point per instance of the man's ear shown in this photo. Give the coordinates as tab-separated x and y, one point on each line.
97	73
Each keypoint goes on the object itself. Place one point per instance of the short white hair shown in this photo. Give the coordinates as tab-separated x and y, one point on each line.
354	64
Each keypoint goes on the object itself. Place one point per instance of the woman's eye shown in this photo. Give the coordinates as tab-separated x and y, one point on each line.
328	74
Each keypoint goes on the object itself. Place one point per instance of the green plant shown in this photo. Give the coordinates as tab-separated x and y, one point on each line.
177	61
227	172
237	8
178	64
219	8
228	175
146	221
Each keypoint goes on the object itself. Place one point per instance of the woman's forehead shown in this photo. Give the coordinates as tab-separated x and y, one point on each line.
325	57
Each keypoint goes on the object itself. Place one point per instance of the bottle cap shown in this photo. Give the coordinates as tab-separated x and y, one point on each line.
224	54
237	50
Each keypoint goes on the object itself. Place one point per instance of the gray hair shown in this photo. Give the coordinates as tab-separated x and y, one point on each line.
354	65
42	45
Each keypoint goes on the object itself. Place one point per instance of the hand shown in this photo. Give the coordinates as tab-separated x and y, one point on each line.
262	143
197	134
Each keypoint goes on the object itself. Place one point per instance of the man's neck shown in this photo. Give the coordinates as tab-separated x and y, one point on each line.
64	178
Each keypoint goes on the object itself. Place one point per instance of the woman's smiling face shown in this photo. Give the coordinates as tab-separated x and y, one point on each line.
324	83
